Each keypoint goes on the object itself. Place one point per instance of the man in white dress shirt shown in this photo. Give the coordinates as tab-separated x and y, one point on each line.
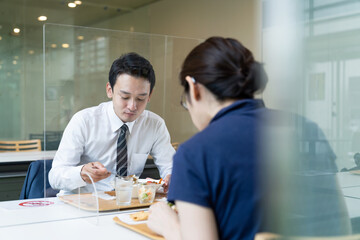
89	142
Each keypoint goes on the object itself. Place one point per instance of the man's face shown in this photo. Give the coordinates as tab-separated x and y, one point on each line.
130	96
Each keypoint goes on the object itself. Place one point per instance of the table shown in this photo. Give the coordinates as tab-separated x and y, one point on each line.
347	179
10	157
350	186
59	221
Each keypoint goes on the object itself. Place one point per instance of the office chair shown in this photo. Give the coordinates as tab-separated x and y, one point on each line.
34	182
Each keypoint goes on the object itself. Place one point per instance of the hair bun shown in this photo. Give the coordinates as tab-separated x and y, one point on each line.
257	76
226	68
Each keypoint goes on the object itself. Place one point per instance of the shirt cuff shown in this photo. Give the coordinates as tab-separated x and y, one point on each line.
78	181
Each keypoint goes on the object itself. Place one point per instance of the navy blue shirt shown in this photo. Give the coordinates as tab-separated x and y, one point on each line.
216	169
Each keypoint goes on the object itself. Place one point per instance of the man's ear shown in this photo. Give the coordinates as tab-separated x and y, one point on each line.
150	95
194	88
109	91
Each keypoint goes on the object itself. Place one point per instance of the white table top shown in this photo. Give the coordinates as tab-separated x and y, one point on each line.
7	157
58	221
347	179
350	186
65	222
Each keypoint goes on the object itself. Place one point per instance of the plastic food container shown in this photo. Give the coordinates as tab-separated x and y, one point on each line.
146	193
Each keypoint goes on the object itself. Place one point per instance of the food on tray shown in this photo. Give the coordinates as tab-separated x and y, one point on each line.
139	216
135	179
152	181
172	205
146	193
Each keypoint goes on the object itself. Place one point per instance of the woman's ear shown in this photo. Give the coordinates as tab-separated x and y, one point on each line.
194	88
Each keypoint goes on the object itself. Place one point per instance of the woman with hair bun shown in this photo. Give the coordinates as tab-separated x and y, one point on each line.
214	180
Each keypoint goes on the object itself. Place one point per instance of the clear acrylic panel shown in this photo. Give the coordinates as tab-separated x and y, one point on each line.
77	61
75	64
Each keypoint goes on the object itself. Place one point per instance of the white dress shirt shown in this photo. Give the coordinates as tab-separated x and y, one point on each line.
91	136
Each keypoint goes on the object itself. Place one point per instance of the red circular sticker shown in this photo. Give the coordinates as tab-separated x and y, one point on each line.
35	203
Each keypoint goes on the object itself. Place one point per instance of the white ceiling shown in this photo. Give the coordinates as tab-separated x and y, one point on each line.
25	12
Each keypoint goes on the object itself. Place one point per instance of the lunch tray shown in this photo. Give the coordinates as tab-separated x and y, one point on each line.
87	201
141	228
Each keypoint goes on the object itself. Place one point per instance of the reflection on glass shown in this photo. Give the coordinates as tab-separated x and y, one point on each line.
312	55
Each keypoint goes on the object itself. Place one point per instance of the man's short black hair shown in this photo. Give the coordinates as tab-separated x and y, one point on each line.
134	65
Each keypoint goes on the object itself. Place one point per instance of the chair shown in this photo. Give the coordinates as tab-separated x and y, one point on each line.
272	236
20	146
150	169
34	182
175	145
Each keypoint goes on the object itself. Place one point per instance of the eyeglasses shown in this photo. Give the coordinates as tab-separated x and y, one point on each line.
183	101
183	97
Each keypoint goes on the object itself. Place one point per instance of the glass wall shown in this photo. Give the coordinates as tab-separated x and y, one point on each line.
76	63
311	54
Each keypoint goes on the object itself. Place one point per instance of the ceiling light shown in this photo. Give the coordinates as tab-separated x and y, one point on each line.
16	30
53	45
80	37
31	52
78	2
0	38
16	57
71	5
14	62
65	45
42	18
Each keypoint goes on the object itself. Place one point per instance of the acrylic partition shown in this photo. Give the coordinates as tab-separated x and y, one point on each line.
312	58
76	64
77	61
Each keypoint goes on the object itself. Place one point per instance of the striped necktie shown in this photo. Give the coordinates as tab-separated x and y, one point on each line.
121	159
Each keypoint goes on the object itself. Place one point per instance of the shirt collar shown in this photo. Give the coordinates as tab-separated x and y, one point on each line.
115	121
244	104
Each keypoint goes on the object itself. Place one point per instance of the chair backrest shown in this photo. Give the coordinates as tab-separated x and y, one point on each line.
20	146
175	145
272	236
34	182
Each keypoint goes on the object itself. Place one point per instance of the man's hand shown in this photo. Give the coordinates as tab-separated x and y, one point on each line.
96	170
166	182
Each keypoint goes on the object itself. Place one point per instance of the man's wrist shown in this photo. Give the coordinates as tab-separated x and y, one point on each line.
82	175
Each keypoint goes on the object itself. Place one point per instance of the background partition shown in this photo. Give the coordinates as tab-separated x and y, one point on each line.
77	63
73	76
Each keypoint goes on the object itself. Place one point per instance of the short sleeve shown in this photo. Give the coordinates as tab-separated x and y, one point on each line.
189	179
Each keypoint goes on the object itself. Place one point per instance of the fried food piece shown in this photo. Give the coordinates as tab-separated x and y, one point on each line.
139	216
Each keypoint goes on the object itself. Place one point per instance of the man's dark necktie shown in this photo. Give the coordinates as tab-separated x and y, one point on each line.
121	159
